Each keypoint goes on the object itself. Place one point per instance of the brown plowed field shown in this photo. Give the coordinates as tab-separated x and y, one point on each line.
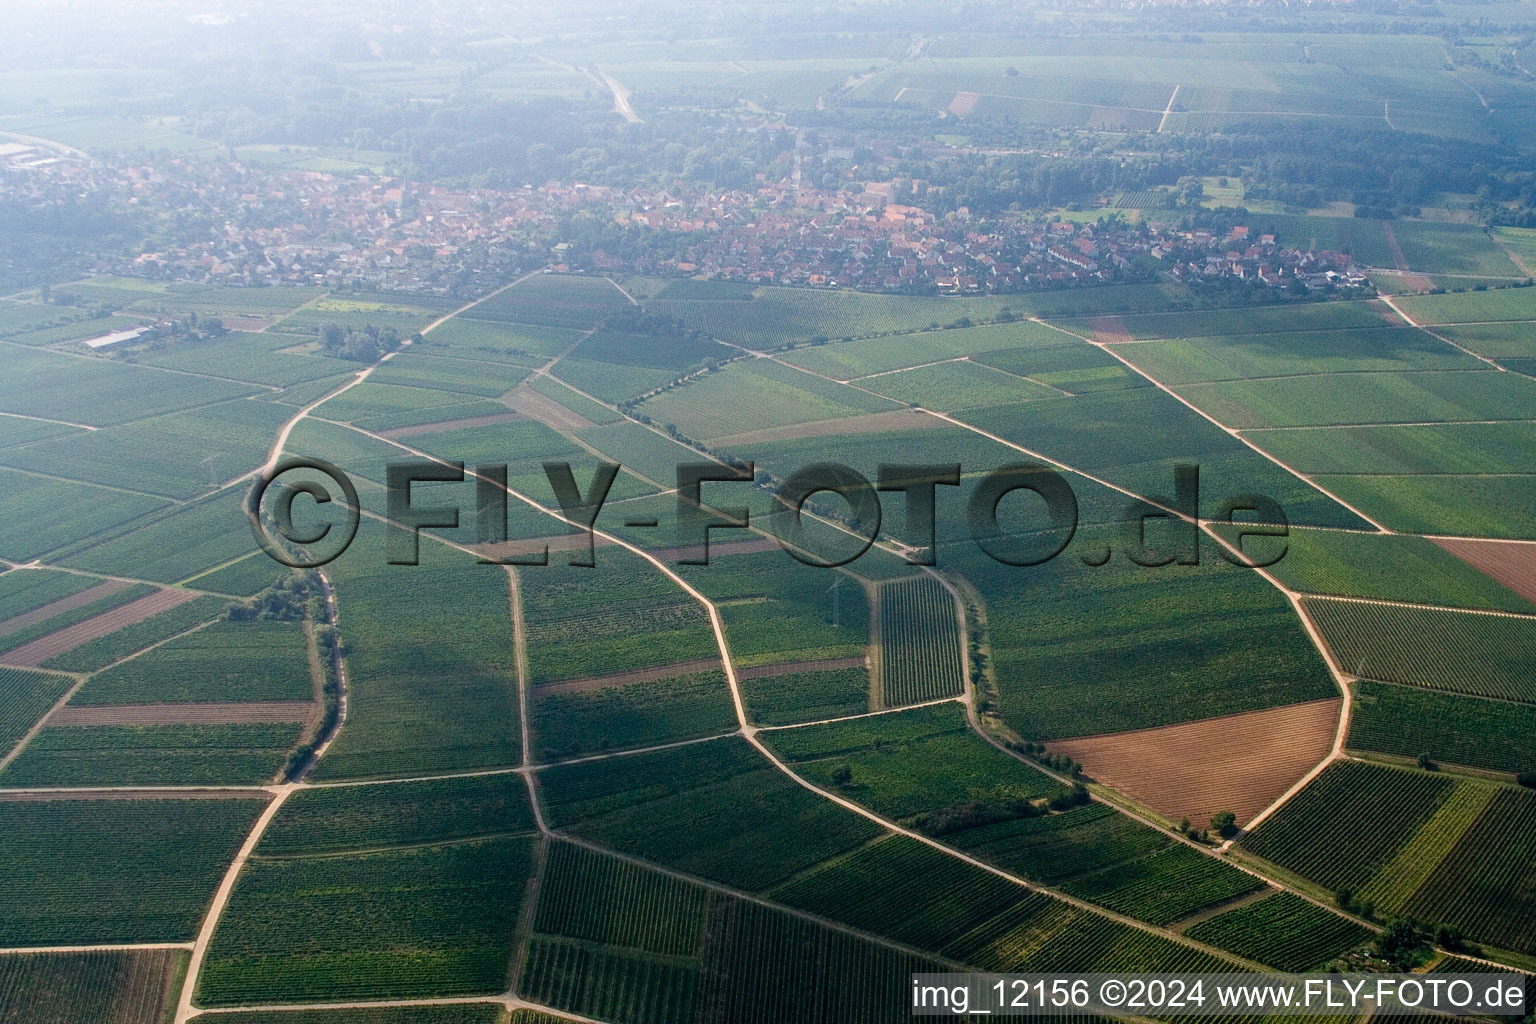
62	605
963	103
718	549
545	409
874	423
784	667
59	641
533	545
637	675
183	714
1239	763
1513	565
1109	330
446	425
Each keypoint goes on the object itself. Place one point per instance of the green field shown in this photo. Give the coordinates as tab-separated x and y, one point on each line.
99	392
1337	399
153	755
1284	931
1409	721
1454	448
1483	885
1445	505
789	697
1082	651
777	609
416	704
756	394
90	871
1255	356
1477	654
1349	823
229	661
716	810
185	542
1382	567
29	527
630	714
920	642
1160	889
24	698
434	920
955	385
910	763
619	615
104	986
856	359
22	631
456	1013
99	653
331	819
1431	248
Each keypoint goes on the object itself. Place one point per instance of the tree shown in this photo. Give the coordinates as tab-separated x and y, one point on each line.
1426	763
1527	779
842	776
1402	944
1224	824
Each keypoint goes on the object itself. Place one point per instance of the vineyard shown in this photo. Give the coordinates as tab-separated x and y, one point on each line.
778	610
229	661
153	755
22	629
434	920
1484	886
1171	884
1409	721
1349	823
756	394
1057	847
851	359
418	704
331	819
788	697
1335	399
715	810
1071	649
1395	883
596	898
458	1013
102	651
630	714
909	893
1480	655
29	528
617	616
1379	348
27	591
24	698
920	642
1282	930
1385	567
904	764
88	871
104	987
1422	448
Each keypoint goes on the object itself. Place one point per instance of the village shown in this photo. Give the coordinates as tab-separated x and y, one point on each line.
232	224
